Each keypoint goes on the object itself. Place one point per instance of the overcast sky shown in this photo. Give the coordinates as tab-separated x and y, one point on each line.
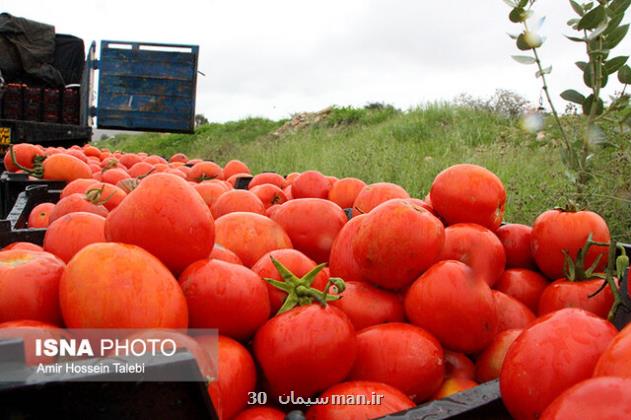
273	58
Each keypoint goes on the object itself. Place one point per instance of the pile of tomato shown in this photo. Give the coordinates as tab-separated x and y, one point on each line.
411	299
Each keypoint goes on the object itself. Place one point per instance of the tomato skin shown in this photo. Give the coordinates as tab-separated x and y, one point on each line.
296	262
489	363
64	167
267	178
129	159
453	386
366	305
22	245
145	218
392	402
261	413
71	233
235	167
306	349
128	288
468	193
401	355
30	331
179	157
226	296
210	191
345	191
40	215
140	169
616	359
24	155
224	254
311	184
516	241
312	224
511	313
374	194
237	200
269	194
114	176
458	365
597	398
341	260
75	203
204	170
477	247
555	230
80	185
457	307
557	351
524	285
396	242
575	294
29	286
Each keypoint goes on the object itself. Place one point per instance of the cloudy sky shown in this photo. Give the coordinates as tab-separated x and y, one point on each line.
273	58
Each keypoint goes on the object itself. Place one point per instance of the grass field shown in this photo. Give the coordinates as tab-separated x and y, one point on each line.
409	148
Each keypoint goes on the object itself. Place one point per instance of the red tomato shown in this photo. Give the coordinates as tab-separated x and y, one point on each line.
516	241
477	247
128	288
235	167
341	260
210	191
396	242
205	170
344	401
179	157
401	355
296	262
306	349
25	154
108	194
575	294
511	313
524	285
113	176
616	359
64	167
312	224
141	169
129	159
29	286
468	193
77	186
268	178
489	363
290	178
453	386
269	194
366	305
237	200
151	216
224	254
23	246
30	331
557	351
374	194
458	365
311	184
345	191
454	305
76	203
226	296
261	413
555	230
71	233
250	235
597	398
40	215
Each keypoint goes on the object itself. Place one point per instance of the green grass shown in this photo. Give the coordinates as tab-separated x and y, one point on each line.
410	148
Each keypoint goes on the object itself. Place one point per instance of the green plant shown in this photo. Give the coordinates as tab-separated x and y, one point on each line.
600	28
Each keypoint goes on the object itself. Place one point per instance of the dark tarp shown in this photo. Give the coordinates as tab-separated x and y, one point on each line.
69	58
34	43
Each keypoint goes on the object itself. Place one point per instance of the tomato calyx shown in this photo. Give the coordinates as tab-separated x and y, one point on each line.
94	196
129	184
299	290
38	164
574	270
570	207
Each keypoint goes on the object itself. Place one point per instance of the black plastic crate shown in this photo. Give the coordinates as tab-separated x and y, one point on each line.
14	228
12	184
242	182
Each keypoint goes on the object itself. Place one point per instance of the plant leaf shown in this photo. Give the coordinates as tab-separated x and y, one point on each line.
512	36
619	6
615	36
573	96
522	44
577	8
581	65
614	23
592	19
599	30
517	15
540	73
587	105
510	3
624	74
611	66
575	39
524	59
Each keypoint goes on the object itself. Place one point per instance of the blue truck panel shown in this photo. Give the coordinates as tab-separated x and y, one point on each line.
147	87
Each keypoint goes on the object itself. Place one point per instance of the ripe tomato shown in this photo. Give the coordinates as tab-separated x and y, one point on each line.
511	313
458	365
77	186
22	246
64	167
401	355
311	184
341	260
524	285
205	170
616	359
345	191
489	363
556	230
261	413
30	331
396	242
114	176
210	191
454	305
306	349
71	233
226	296
453	386
129	159
557	351
366	305
224	254
76	203
597	398
179	157
250	235
477	247
141	169
374	194
40	215
29	286
25	154
312	224
269	194
237	200
575	294
340	407
516	241
235	167
268	178
151	216
128	288
110	195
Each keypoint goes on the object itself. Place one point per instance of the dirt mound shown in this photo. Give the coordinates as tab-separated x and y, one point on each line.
302	120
